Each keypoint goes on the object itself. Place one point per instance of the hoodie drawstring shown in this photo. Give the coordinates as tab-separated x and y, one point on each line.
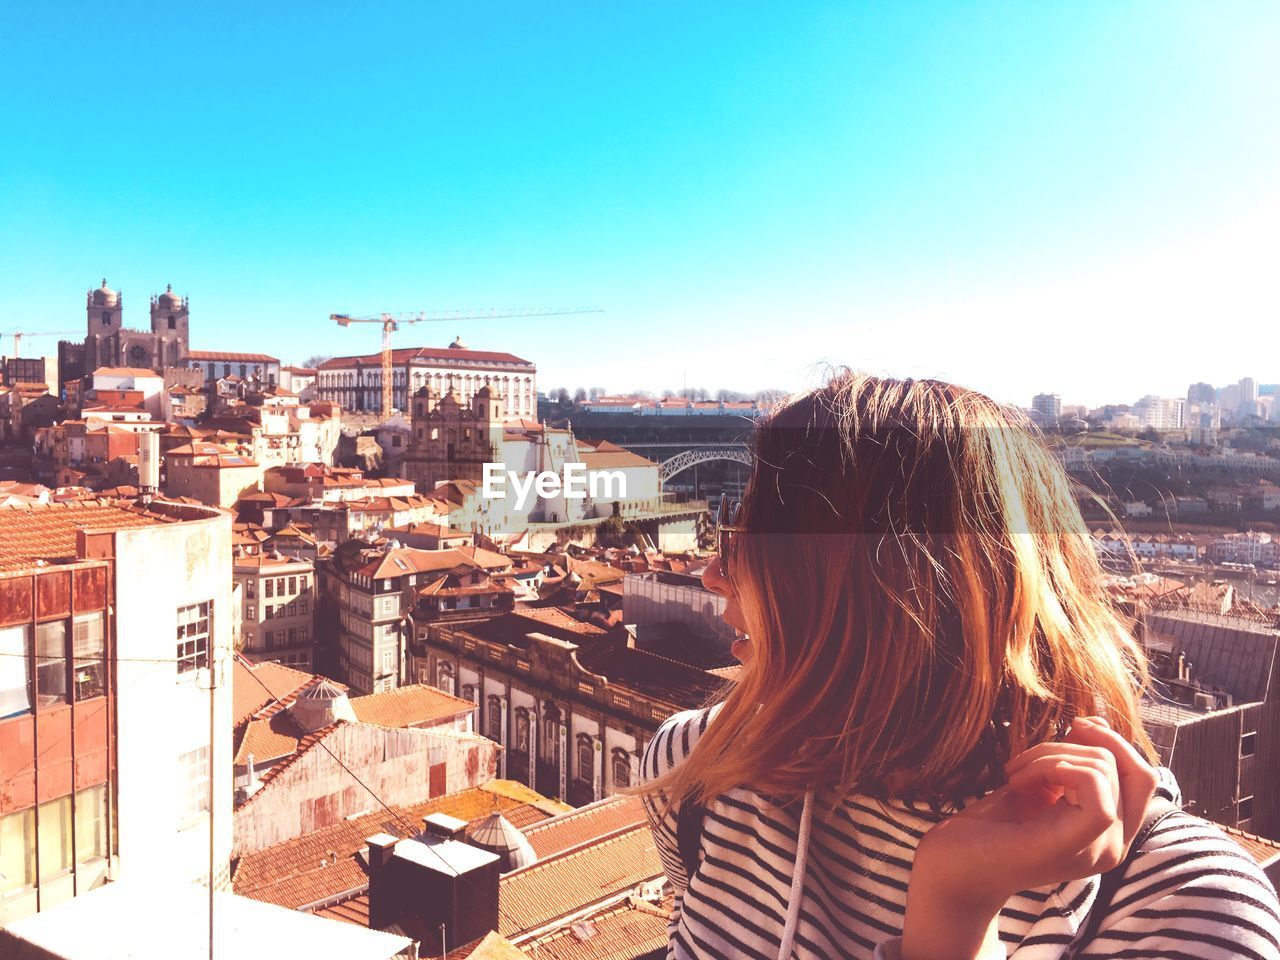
797	881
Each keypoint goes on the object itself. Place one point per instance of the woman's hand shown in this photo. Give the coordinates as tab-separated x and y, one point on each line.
1069	810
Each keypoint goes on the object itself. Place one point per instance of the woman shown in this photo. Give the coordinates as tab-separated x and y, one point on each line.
933	749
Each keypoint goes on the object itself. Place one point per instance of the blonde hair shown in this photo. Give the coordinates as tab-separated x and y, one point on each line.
923	599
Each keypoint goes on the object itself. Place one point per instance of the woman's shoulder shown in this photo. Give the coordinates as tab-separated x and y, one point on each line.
1191	876
675	740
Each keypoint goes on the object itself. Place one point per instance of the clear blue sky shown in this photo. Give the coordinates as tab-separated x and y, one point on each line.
1073	196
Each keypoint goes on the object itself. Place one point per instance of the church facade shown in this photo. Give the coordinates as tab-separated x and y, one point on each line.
108	343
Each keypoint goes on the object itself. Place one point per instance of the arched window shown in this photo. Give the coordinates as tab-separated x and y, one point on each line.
551	734
493	720
173	322
621	768
586	758
444	676
469	692
106	318
522	730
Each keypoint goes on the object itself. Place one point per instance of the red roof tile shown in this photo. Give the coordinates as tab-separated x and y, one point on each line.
409	706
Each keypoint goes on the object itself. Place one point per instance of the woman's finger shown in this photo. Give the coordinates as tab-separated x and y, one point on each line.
1059	748
1059	776
1086	816
1137	777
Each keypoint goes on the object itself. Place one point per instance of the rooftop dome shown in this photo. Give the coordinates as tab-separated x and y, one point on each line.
459	344
104	296
497	834
321	705
169	296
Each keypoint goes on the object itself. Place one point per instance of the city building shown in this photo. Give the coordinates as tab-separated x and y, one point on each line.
278	594
31	370
452	441
211	473
373	592
573	704
1202	394
1046	408
259	369
114	738
1214	711
356	382
108	343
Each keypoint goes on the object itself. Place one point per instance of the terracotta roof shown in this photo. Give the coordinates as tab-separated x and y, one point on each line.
125	372
600	819
409	706
406	560
207	355
269	738
629	930
562	885
258	561
322	865
249	699
407	354
48	531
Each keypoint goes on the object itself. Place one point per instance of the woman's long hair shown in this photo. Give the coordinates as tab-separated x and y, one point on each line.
923	600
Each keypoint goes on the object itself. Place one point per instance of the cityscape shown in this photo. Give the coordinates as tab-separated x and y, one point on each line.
340	622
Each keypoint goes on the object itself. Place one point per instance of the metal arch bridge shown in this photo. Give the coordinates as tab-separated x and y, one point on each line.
694	454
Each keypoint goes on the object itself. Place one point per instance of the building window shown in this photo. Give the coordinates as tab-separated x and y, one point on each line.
1245	811
268	611
621	769
15	683
293	608
250	589
469	692
444	676
88	649
106	318
250	612
1249	744
493	721
293	584
193	769
268	587
302	605
51	663
193	637
91	824
522	730
586	758
55	838
17	850
302	634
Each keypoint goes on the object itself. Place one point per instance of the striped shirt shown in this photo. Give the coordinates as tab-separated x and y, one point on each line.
1190	893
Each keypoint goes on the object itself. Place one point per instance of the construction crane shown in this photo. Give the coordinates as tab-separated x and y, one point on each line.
19	334
391	323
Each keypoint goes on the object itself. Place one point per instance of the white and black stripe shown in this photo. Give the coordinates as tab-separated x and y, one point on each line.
1191	892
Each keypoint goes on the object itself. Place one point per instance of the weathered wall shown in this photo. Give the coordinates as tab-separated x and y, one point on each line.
400	766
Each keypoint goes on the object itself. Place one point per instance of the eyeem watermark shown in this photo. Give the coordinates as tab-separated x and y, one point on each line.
572	483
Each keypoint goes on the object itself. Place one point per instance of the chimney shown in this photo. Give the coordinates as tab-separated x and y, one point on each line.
443	826
423	885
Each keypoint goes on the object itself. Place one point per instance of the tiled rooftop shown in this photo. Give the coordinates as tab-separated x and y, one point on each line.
555	888
248	697
48	532
601	819
322	865
626	931
409	706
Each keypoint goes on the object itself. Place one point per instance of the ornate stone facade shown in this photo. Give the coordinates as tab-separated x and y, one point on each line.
108	343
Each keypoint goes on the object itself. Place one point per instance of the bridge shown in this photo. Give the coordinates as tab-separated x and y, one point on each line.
690	454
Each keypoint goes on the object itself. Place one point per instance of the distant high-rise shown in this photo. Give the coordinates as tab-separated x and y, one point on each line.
1047	407
1201	393
1248	405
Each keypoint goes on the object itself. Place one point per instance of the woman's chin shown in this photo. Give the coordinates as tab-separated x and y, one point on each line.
741	648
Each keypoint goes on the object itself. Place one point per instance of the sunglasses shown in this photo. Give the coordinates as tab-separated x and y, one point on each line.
726	517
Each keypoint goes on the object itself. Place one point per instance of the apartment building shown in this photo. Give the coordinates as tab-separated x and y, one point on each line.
278	598
373	593
115	737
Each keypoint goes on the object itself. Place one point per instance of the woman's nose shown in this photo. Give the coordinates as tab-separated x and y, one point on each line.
713	578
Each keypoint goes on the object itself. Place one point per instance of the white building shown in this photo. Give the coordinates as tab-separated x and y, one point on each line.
1160	413
356	382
